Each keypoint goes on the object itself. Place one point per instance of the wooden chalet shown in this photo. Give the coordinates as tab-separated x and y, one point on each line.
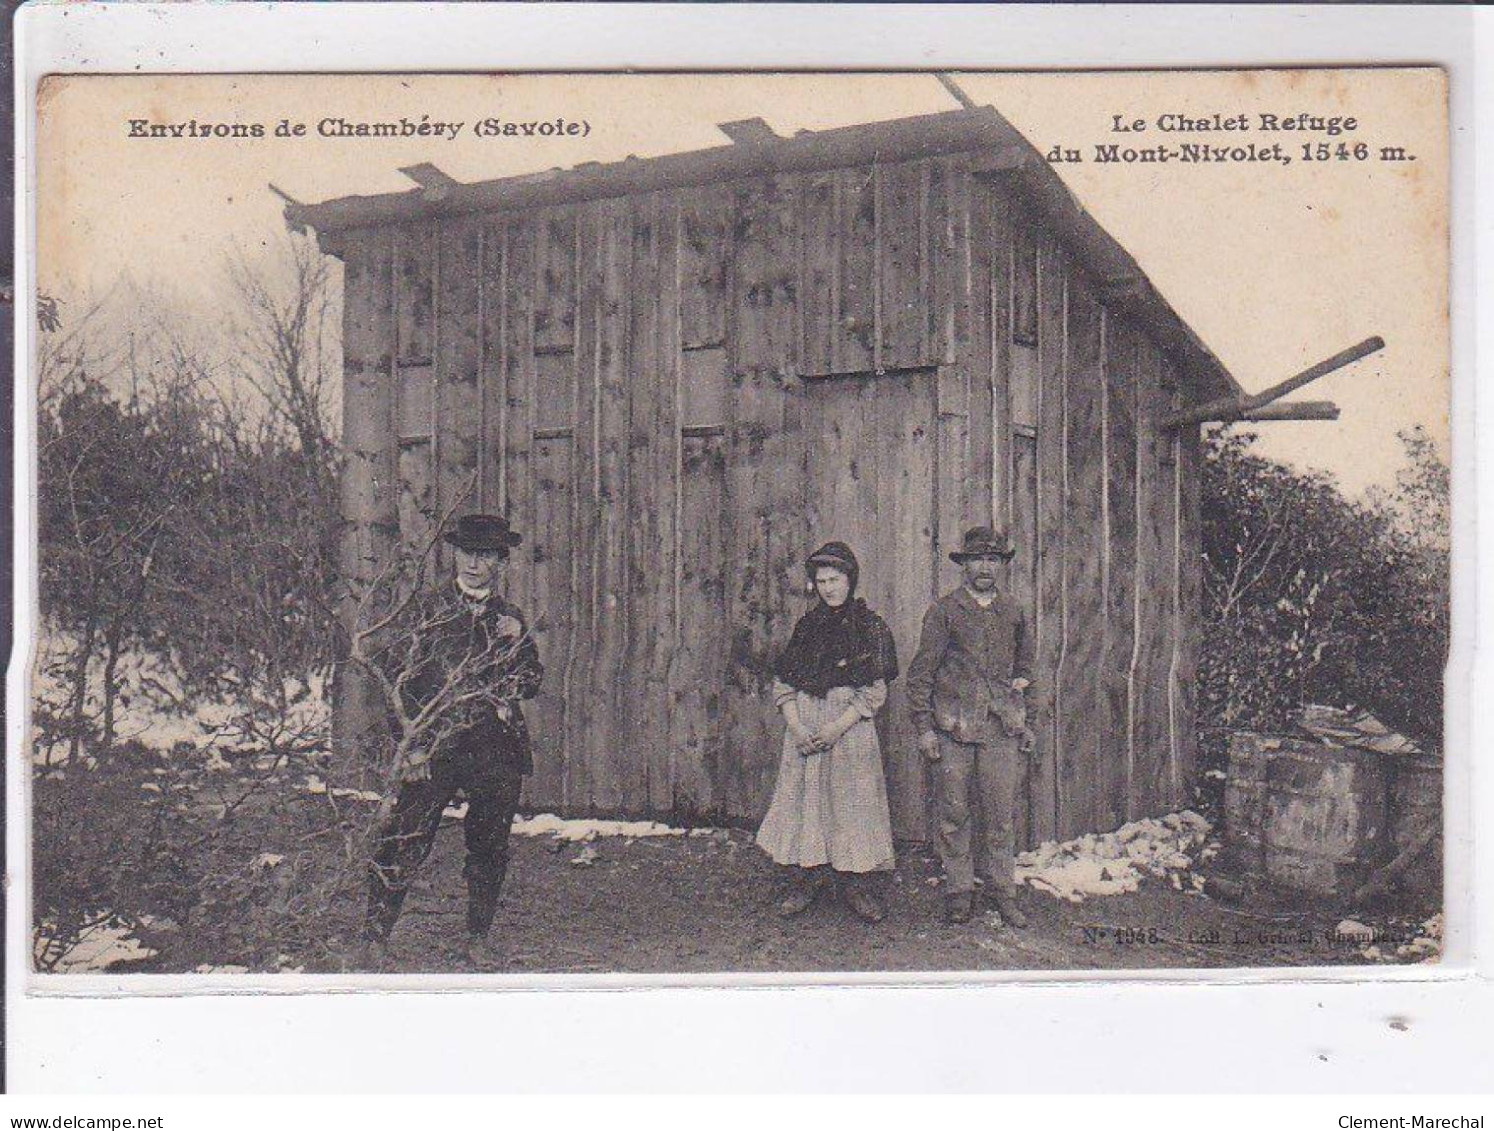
678	375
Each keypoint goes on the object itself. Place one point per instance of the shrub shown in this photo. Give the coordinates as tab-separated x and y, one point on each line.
1312	597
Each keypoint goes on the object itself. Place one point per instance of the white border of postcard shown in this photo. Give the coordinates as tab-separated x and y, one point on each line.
1315	1028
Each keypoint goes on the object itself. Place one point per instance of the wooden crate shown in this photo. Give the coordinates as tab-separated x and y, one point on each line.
1325	818
1304	816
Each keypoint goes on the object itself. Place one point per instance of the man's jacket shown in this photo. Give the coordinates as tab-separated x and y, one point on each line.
458	659
960	682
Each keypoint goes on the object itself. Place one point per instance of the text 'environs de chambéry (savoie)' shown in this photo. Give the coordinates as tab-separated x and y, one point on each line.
423	126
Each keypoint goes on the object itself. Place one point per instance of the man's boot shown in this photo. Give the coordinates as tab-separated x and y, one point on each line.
482	909
383	911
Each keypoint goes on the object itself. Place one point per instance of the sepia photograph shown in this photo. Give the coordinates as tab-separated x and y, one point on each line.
918	523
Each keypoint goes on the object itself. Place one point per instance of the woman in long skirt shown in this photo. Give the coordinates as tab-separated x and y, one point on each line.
829	811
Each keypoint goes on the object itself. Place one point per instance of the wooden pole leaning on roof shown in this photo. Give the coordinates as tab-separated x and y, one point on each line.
291	222
946	80
1289	410
283	195
1229	408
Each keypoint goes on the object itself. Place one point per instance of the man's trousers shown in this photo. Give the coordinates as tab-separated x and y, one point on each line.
972	775
491	783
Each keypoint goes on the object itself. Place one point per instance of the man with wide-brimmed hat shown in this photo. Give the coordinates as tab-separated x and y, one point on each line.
466	662
965	695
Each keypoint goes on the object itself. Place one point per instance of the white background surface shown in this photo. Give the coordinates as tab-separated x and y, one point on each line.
1420	1029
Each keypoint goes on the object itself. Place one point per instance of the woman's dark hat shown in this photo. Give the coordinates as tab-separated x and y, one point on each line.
836	555
479	532
983	542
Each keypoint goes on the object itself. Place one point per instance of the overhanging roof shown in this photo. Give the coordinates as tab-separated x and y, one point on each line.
1123	285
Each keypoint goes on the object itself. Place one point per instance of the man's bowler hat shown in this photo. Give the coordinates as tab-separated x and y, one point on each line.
983	542
479	532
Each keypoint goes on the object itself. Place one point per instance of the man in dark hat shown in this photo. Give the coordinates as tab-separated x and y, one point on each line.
965	695
467	659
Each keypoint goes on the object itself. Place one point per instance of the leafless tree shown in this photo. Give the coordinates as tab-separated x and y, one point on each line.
286	333
102	525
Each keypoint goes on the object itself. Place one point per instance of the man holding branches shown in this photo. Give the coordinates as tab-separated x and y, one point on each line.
456	668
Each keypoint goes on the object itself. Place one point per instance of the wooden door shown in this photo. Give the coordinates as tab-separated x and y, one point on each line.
871	484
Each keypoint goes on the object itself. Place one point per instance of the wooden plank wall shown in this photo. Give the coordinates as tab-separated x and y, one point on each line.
1079	719
1122	348
1155	569
368	502
413	436
458	357
1188	606
653	462
1103	508
698	674
1014	243
624	378
1048	552
992	227
765	534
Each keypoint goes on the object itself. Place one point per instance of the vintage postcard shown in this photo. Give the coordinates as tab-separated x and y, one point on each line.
715	524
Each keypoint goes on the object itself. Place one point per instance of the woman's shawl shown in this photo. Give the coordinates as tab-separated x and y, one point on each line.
846	647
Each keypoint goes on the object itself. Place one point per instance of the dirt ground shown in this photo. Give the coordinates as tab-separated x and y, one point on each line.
705	904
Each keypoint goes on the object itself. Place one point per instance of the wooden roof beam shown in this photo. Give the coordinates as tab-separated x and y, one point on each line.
956	91
1240	408
999	163
427	176
748	131
435	185
905	139
291	205
1292	410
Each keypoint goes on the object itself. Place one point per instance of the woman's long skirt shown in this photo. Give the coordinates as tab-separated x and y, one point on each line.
830	808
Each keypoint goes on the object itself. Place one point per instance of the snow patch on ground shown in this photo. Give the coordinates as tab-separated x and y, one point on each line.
315	784
541	824
98	949
548	824
1116	862
153	708
1425	946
